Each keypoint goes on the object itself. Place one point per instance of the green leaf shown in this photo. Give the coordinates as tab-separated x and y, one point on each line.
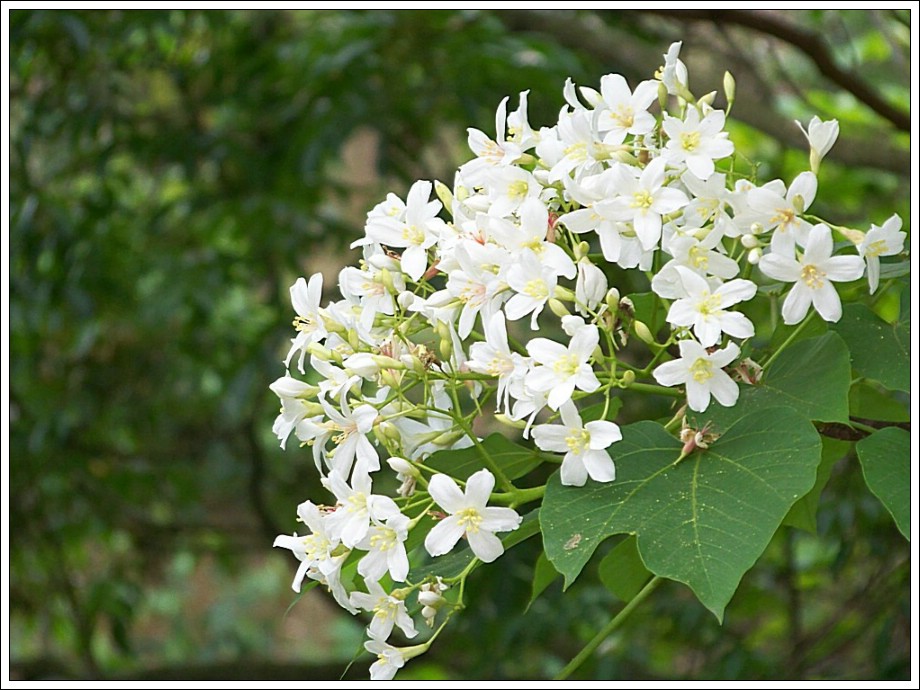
879	350
514	460
622	570
703	520
803	513
811	376
871	401
544	574
885	460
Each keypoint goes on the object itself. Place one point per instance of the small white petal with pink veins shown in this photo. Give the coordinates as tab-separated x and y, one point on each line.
702	373
468	515
584	446
814	276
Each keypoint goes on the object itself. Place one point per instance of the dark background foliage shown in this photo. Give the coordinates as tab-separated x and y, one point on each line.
172	173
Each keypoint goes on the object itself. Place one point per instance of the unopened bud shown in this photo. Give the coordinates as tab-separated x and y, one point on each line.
756	228
643	332
386	278
707	99
855	236
444	194
662	96
754	256
557	307
612	298
564	294
581	250
629	377
389	431
390	378
507	421
445	348
320	352
728	85
448	438
750	241
798	203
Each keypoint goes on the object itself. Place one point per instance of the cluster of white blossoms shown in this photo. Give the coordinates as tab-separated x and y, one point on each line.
432	332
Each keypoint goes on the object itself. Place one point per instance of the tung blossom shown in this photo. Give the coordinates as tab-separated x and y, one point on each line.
814	275
584	446
469	516
886	240
701	372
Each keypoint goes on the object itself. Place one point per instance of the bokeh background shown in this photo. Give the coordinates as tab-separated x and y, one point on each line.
173	172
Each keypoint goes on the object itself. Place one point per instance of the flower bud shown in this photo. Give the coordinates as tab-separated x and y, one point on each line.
750	241
557	307
320	352
728	85
444	194
507	421
612	299
754	256
629	378
643	332
391	433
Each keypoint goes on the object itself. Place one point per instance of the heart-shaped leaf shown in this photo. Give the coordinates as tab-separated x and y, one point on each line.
885	459
703	520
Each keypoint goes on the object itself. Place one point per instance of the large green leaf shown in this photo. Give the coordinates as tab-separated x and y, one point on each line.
885	459
804	513
879	350
622	570
544	574
703	520
811	376
514	460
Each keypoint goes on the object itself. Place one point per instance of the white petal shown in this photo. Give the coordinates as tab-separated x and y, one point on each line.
779	267
479	488
485	545
843	268
573	471
723	388
446	493
603	434
827	302
600	466
443	536
697	395
671	373
797	302
820	245
495	519
551	437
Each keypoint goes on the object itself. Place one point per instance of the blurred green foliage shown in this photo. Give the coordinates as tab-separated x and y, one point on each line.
171	174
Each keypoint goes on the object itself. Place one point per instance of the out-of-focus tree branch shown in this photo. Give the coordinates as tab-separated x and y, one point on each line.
809	43
629	54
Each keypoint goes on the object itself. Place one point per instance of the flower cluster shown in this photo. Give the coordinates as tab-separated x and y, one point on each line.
433	329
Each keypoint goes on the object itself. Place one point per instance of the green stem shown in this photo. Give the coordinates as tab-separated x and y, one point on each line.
608	630
519	496
863	427
788	340
657	390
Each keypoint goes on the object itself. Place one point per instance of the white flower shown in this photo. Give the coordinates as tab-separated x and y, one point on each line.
563	369
624	112
590	286
389	659
508	188
644	199
821	137
696	142
887	240
702	255
357	507
703	309
489	153
388	611
533	283
386	549
814	276
418	231
780	213
309	322
495	358
674	72
702	373
583	444
295	407
530	235
348	430
468	515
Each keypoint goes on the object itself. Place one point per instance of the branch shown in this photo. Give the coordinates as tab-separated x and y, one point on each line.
809	43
